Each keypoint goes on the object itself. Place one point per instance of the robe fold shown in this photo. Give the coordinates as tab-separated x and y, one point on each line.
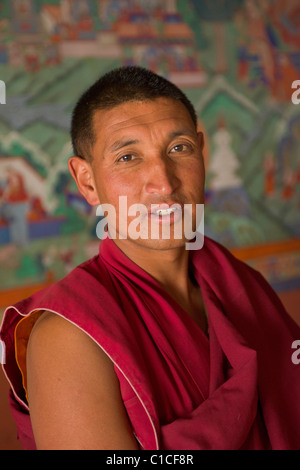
237	389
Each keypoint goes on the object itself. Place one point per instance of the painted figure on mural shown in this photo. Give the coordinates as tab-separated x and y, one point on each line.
269	167
24	16
289	151
14	206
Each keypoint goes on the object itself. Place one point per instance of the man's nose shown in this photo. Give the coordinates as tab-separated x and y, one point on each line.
161	176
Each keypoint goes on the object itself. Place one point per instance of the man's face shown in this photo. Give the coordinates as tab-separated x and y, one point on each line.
150	152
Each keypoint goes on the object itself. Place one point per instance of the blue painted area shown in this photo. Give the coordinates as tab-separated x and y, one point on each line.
289	284
49	227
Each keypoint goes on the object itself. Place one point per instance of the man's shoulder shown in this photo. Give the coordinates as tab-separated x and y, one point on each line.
221	264
88	277
215	252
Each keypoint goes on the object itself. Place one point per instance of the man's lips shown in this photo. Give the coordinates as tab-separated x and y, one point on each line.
165	213
164	208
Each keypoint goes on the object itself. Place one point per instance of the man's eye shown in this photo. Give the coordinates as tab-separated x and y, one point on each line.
125	158
179	148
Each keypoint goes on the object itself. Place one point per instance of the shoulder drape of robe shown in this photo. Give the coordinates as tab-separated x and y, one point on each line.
239	389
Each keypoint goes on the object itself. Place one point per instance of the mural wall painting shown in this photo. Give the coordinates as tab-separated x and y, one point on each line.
236	61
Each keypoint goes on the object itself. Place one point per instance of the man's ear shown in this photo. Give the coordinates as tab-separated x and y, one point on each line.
200	139
82	173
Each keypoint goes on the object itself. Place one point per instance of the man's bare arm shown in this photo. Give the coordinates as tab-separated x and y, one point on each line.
73	391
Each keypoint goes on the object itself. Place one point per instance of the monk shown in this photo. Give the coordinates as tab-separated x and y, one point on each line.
157	342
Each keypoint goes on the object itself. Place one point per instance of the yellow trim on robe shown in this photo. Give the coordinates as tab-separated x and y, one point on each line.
22	333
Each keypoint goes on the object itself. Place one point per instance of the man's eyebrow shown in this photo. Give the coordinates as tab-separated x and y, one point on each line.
119	144
181	132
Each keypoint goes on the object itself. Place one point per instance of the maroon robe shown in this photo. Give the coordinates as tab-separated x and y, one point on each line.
237	389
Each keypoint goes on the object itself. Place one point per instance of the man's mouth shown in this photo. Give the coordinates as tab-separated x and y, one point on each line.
164	212
165	208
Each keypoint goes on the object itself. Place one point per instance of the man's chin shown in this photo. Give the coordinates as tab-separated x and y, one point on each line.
154	244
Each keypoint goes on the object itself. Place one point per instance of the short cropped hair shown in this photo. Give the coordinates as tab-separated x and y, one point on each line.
116	87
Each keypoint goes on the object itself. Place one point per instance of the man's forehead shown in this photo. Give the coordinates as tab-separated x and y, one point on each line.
140	113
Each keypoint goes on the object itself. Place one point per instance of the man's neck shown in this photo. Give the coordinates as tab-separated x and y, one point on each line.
170	268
